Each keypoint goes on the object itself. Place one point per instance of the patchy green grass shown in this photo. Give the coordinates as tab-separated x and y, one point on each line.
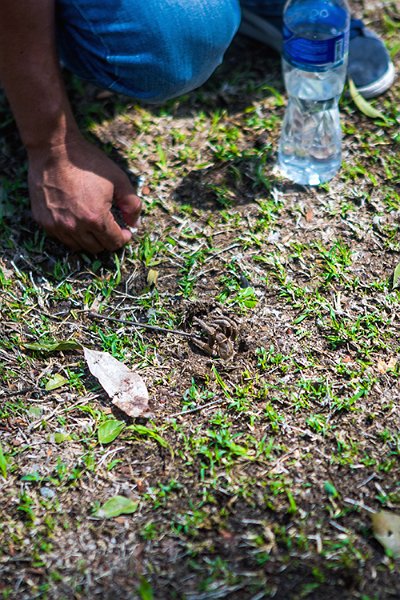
251	480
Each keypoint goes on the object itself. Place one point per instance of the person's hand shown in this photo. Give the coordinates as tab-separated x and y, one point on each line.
72	188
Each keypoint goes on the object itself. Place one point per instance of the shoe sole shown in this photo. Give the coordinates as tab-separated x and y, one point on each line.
259	29
379	86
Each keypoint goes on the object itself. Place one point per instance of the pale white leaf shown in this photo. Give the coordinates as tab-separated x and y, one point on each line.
126	388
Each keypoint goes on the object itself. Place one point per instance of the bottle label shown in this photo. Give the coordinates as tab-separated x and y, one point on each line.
314	55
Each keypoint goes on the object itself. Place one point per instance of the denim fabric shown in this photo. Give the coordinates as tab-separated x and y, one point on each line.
148	49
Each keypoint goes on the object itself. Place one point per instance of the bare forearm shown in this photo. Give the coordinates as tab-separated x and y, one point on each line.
30	73
72	184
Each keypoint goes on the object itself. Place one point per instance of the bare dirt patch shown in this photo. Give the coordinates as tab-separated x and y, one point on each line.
271	456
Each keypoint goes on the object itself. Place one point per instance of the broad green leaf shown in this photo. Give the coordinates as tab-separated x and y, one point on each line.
395	50
145	590
244	297
237	449
35	476
292	503
113	464
3	463
109	430
55	382
52	346
330	489
60	438
115	506
365	107
35	412
396	278
146	431
386	528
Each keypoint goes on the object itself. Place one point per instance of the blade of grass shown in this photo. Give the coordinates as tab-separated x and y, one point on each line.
363	106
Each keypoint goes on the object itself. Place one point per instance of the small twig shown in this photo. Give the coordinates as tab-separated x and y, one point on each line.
198	408
43	418
221	251
339	527
143	325
367	480
359	504
7	394
108	454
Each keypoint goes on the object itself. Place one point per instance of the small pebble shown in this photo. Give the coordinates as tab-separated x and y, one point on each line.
47	492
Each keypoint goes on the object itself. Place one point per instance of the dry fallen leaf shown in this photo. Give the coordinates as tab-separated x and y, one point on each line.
126	388
309	215
384	367
386	528
152	277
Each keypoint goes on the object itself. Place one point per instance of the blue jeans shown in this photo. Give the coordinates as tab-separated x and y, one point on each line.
148	49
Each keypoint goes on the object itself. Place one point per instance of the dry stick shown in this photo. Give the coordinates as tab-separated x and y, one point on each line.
359	504
7	394
125	322
143	325
198	408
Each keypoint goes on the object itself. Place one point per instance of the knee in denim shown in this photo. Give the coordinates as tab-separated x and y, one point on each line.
150	50
184	50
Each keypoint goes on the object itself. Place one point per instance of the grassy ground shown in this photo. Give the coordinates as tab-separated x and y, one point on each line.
267	464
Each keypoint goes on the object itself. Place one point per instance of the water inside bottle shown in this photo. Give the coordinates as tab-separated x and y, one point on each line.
314	68
310	145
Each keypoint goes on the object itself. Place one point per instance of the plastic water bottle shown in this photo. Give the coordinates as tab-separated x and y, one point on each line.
315	51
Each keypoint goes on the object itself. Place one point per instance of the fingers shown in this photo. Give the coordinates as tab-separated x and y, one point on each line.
109	238
72	201
127	201
69	242
112	236
89	243
109	235
106	236
93	238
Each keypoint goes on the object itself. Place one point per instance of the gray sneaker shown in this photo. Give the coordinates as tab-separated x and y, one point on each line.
369	64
